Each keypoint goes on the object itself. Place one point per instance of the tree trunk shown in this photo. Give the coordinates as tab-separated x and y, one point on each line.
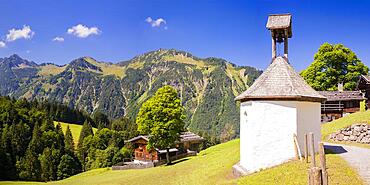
168	156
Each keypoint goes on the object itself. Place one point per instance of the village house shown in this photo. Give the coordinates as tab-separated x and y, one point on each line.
279	107
340	103
189	143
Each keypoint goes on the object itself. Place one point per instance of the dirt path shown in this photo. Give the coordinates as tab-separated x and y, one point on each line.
358	158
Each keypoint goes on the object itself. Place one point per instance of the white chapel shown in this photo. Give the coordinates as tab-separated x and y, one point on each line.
277	106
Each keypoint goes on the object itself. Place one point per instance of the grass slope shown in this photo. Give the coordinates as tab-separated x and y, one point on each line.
212	166
331	127
75	129
295	172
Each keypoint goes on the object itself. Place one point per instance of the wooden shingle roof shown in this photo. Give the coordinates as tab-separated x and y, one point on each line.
280	21
280	82
185	136
342	95
189	136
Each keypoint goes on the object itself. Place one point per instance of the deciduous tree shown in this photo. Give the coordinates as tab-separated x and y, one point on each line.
334	64
162	118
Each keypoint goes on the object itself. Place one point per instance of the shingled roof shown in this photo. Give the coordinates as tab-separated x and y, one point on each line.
185	136
280	82
280	21
342	95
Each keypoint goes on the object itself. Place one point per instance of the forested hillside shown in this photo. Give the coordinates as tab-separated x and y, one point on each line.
207	87
33	148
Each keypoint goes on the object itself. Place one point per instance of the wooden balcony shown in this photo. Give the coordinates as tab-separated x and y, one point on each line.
332	107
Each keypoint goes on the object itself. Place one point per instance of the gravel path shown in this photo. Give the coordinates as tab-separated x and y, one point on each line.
358	158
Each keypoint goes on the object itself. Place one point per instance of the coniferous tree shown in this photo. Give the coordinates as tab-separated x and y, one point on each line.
49	161
60	141
29	167
86	131
45	164
68	142
67	167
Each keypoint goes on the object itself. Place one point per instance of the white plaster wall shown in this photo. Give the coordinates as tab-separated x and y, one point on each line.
309	120
266	133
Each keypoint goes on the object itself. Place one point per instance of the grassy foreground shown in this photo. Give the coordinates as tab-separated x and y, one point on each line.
331	127
295	172
75	129
212	166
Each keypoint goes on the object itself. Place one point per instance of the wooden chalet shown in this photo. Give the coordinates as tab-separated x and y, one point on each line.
189	143
340	103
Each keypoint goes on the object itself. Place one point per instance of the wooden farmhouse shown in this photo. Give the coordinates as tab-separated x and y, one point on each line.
189	143
278	106
340	103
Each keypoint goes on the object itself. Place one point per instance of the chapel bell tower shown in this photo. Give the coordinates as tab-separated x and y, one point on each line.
280	26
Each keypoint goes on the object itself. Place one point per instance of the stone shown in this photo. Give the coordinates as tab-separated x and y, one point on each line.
345	138
356	133
340	137
357	128
332	136
352	138
366	127
360	137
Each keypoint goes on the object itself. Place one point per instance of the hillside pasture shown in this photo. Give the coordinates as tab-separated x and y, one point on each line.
211	166
75	129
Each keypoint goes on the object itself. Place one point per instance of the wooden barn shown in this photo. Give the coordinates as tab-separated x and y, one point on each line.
188	143
340	103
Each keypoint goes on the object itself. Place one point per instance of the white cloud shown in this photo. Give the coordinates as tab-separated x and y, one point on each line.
2	44
28	51
25	33
155	23
82	31
58	39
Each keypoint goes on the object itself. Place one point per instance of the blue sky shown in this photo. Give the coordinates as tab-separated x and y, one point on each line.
234	30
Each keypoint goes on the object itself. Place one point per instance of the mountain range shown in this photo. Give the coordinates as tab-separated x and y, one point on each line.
206	86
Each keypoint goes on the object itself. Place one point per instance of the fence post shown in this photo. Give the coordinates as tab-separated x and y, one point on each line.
306	147
323	164
315	176
312	143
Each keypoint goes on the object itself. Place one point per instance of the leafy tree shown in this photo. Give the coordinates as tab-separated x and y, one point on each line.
67	167
334	64
162	118
101	138
68	142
